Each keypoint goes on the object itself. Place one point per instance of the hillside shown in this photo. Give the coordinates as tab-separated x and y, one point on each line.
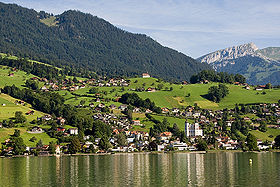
83	43
257	66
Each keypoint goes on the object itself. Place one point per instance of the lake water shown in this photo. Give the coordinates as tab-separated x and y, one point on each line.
177	169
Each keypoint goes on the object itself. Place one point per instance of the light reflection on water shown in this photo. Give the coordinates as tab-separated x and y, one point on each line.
179	169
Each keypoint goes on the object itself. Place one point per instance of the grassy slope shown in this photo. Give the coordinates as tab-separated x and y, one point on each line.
9	110
18	79
265	135
3	55
177	97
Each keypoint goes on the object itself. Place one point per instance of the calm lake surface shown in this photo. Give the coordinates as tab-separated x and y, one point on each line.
177	169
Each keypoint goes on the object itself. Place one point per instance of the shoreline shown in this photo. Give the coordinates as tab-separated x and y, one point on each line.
144	153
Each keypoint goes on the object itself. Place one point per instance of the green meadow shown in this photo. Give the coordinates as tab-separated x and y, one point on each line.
9	110
269	135
178	97
18	79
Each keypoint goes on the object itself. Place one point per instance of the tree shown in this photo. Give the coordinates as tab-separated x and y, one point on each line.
33	139
93	90
268	86
75	80
74	146
160	86
277	142
216	93
252	142
121	139
19	118
104	143
51	147
201	145
40	144
171	88
16	133
18	146
176	131
263	126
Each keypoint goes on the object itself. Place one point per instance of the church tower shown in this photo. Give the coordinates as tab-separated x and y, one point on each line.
187	128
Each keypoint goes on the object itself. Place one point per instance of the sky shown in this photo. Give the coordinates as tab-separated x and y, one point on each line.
193	27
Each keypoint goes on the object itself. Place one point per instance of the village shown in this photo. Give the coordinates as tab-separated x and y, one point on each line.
204	125
203	129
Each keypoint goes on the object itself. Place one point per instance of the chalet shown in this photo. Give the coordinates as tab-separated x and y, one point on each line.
122	107
91	105
148	111
258	89
175	110
55	87
145	75
3	104
101	105
60	129
151	89
164	110
73	131
11	74
116	131
136	110
184	82
165	136
82	86
46	117
31	112
61	120
44	88
37	130
63	88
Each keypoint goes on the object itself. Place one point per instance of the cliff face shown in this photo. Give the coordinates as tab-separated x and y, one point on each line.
247	60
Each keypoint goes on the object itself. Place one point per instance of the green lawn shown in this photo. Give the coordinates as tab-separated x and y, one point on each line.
265	135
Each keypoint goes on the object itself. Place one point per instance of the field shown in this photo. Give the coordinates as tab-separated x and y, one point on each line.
178	97
269	135
6	132
18	79
9	110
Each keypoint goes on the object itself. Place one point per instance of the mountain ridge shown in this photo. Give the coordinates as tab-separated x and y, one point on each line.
82	42
247	60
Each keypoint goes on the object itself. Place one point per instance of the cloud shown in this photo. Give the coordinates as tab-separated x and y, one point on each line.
194	27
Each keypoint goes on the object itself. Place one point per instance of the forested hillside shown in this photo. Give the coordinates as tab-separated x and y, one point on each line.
85	43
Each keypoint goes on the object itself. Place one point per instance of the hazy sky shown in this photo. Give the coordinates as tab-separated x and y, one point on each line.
194	27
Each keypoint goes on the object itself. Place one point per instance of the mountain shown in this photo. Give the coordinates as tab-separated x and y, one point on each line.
271	52
81	42
258	66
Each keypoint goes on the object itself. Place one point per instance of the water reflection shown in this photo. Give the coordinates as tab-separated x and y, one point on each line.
214	169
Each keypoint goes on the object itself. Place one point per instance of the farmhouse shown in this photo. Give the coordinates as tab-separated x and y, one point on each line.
146	75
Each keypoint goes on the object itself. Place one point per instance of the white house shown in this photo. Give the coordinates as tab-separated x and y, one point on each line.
193	129
180	146
73	131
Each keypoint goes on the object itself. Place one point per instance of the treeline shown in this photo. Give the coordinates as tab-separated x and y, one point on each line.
134	100
40	70
213	76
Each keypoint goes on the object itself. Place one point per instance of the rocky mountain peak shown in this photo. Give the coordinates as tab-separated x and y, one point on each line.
229	53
